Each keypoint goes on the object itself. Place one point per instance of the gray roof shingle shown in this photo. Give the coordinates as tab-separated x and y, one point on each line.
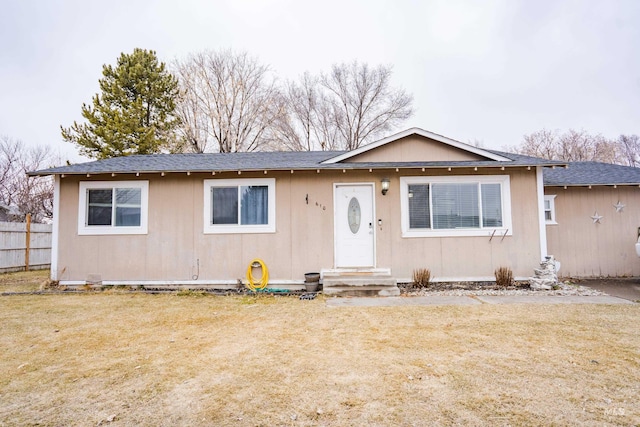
272	160
196	162
592	173
578	173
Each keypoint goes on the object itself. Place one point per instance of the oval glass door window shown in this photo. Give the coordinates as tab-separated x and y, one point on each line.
354	215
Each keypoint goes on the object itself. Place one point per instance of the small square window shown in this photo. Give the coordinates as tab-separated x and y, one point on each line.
118	207
550	209
239	205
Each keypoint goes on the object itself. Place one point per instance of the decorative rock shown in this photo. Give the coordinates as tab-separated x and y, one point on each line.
540	284
546	277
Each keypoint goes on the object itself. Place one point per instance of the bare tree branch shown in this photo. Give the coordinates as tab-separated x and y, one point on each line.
363	103
629	150
343	109
28	195
228	102
571	146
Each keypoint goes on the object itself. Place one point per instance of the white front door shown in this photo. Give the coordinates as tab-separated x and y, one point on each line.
353	225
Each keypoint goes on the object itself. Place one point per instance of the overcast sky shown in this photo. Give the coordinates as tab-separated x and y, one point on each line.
480	71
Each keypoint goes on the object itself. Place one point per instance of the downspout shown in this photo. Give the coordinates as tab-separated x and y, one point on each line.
55	229
541	220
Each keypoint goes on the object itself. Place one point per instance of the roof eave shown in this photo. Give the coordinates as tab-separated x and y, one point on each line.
319	167
617	184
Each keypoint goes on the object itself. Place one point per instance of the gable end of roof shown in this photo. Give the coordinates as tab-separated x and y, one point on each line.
420	132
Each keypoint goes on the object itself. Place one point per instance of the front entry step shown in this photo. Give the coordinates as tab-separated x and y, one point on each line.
360	285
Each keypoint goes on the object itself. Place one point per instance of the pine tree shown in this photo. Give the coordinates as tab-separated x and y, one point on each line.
134	114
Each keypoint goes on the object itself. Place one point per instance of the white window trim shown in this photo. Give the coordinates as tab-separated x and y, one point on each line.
551	198
89	230
504	180
270	227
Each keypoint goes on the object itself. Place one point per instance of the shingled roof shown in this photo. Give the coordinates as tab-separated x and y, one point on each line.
592	173
577	174
258	161
208	162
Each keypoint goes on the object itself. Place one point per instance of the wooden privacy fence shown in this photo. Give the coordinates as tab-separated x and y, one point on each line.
24	246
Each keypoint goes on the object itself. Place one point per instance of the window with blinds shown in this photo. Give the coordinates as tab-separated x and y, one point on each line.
436	205
455	206
491	205
419	212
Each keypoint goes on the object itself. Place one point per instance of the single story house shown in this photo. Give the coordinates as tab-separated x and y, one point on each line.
412	200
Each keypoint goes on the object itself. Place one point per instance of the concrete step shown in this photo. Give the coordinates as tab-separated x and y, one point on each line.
359	285
366	272
355	281
362	291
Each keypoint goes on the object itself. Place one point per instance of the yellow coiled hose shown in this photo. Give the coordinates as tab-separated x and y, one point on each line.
254	284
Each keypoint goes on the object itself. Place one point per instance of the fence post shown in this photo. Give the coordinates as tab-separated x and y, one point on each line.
28	243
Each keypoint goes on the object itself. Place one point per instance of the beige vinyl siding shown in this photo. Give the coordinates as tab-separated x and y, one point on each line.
175	239
586	249
470	257
415	148
303	241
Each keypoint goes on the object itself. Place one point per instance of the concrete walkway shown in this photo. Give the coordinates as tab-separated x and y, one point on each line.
627	288
472	300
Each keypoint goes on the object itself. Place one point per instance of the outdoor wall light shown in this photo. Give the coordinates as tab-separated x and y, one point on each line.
385	185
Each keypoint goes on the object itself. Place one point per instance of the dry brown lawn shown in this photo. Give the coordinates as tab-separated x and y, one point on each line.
29	281
123	359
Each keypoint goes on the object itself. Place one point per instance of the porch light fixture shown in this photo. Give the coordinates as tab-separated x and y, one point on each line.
385	185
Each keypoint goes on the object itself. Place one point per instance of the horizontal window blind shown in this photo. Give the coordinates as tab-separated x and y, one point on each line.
419	215
491	205
455	206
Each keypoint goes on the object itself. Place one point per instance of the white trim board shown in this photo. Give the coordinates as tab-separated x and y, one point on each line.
542	222
227	284
55	229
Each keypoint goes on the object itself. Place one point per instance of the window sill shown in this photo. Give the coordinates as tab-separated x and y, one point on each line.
261	229
498	232
111	231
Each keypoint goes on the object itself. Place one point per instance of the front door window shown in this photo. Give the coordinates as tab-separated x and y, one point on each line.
354	215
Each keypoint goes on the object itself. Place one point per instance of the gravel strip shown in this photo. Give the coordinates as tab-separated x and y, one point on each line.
563	290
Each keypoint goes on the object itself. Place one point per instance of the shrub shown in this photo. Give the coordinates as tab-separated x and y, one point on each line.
504	277
421	278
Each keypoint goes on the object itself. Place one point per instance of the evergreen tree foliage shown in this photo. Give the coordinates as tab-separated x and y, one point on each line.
133	114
